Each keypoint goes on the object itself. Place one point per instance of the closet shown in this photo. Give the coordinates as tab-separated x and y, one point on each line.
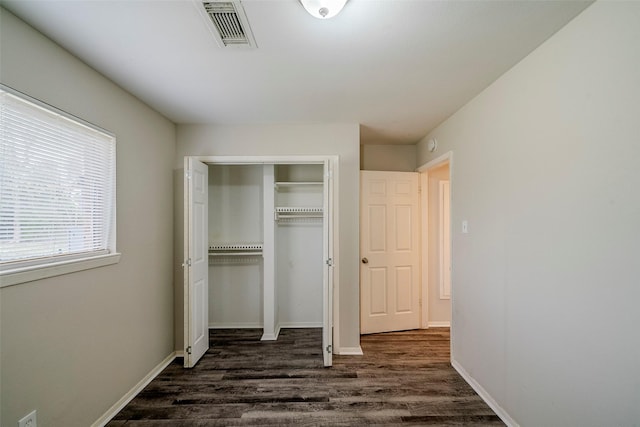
267	231
298	244
235	245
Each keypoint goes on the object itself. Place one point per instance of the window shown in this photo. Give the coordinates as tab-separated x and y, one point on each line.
57	191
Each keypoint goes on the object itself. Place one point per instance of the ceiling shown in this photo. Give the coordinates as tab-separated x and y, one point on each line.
397	67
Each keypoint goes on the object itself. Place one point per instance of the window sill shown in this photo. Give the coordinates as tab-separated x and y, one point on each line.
37	272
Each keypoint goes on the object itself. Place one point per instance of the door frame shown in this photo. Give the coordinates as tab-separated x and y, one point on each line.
424	220
330	305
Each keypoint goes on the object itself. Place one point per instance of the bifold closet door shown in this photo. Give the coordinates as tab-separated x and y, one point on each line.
196	265
327	270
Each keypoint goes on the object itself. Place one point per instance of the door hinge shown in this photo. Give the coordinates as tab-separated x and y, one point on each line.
329	262
329	348
188	174
188	350
187	263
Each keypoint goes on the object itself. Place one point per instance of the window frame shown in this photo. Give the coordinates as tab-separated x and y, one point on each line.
35	269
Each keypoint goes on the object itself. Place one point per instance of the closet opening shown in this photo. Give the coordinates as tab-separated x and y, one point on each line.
259	236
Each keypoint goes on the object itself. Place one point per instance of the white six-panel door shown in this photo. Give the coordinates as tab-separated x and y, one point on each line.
389	251
196	266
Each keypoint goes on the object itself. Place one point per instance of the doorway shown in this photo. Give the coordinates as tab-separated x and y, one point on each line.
382	301
435	178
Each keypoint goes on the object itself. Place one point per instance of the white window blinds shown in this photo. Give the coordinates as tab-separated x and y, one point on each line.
57	185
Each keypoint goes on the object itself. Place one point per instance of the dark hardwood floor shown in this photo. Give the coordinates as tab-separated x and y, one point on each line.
403	378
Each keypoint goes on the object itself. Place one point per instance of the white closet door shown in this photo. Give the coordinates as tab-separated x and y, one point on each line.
196	267
327	290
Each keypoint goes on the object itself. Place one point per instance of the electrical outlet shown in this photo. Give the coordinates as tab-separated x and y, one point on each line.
28	420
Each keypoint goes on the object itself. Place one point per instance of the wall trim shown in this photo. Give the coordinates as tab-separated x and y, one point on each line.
504	416
51	269
349	351
295	325
271	337
440	324
235	326
128	397
285	325
438	161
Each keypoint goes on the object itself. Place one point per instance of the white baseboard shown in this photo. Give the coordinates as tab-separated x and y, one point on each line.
180	353
271	337
349	351
440	324
235	325
293	325
117	407
504	416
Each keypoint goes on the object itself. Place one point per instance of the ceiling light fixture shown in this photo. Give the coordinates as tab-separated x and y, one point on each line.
323	9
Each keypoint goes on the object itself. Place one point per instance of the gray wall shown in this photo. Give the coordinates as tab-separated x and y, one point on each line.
73	345
285	140
546	283
399	158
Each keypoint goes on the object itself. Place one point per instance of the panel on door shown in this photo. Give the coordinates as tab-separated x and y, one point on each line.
196	266
389	251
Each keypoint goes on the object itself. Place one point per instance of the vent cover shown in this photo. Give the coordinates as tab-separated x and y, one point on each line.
230	26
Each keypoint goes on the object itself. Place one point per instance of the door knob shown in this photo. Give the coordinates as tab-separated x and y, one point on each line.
365	261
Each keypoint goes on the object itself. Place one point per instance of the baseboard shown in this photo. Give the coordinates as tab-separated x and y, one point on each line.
440	324
349	351
290	325
504	416
180	354
235	325
117	407
271	337
294	325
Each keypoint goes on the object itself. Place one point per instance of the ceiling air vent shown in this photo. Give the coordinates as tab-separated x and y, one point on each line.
228	23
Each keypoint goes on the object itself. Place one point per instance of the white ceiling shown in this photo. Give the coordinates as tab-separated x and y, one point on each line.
397	67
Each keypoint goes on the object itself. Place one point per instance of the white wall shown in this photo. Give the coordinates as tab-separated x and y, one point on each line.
547	171
281	140
399	158
73	345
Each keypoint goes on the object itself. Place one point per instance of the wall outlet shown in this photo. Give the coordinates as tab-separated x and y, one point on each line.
28	420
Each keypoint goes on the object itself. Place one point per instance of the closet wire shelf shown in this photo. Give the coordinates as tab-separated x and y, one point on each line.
296	184
235	249
297	213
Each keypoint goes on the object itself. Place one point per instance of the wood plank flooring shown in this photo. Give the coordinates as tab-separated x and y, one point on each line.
404	378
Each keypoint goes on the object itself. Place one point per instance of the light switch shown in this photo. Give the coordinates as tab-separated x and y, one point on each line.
465	226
